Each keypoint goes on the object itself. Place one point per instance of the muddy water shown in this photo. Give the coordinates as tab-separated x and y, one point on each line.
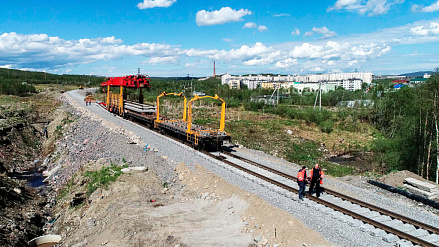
33	177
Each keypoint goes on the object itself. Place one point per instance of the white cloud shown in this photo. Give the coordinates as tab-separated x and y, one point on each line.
432	8
295	32
369	7
41	51
244	53
352	63
227	40
110	40
6	66
163	60
425	31
265	58
306	50
340	4
250	25
286	63
317	69
262	28
282	15
191	65
148	4
332	53
324	31
224	15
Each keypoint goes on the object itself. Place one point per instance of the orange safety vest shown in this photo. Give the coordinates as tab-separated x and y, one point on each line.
321	175
301	175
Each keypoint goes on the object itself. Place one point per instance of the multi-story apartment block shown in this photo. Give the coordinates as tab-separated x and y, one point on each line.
349	81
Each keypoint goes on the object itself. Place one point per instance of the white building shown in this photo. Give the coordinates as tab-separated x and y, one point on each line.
349	81
348	84
309	87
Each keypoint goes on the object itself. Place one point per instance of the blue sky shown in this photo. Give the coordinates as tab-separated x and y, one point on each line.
176	37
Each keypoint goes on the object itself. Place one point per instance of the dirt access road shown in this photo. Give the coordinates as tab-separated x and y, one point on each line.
197	209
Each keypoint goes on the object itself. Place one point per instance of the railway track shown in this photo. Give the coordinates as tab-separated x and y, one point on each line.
377	221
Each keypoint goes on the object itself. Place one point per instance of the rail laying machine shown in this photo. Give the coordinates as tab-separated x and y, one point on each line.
199	137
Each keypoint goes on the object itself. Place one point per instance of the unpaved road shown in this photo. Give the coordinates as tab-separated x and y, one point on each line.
199	209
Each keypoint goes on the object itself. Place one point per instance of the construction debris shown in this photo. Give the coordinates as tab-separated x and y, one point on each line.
421	188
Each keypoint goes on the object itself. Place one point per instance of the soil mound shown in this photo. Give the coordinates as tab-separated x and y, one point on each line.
396	179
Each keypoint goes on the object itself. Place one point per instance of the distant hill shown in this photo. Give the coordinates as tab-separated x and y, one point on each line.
32	77
417	74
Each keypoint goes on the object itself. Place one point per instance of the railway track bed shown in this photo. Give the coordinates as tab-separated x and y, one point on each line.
330	222
378	222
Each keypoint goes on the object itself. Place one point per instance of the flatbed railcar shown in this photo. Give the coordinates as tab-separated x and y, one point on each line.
199	137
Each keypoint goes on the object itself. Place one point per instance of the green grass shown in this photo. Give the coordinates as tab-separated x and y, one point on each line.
66	189
103	177
337	170
8	99
372	174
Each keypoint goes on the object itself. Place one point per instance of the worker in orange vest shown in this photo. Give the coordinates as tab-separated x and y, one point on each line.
316	177
301	181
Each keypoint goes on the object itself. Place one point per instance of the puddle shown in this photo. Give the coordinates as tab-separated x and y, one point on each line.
34	178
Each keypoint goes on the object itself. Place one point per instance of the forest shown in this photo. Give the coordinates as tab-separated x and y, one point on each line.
20	82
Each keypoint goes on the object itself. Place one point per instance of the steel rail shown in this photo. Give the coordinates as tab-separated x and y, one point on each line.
331	205
380	210
313	198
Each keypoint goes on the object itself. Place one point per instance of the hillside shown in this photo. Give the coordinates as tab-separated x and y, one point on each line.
417	74
32	77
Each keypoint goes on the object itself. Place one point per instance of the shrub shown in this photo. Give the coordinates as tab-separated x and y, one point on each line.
326	126
254	106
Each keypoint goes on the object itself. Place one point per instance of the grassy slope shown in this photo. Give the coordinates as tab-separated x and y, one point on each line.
268	133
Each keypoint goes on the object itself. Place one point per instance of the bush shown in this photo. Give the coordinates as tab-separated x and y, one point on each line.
386	151
326	126
15	88
311	115
233	103
282	110
254	106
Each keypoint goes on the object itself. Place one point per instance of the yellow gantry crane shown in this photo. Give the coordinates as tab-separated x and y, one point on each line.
158	106
190	132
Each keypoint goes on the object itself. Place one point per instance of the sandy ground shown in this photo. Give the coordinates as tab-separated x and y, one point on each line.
260	218
204	210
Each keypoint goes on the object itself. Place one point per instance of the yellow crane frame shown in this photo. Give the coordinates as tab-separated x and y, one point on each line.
189	130
158	105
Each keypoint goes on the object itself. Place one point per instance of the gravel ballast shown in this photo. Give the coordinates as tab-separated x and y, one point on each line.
333	230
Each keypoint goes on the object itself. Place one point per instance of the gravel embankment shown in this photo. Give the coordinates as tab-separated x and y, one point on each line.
335	231
371	194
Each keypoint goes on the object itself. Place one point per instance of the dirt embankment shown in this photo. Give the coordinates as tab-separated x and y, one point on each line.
397	179
22	209
201	210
